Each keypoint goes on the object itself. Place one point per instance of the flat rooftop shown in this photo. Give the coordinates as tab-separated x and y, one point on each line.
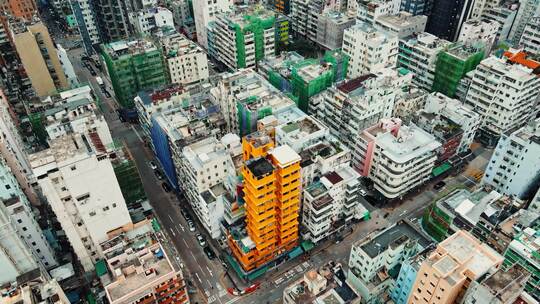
260	166
121	48
411	142
385	239
285	155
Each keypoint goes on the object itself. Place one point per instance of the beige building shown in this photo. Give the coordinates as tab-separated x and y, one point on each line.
38	56
451	267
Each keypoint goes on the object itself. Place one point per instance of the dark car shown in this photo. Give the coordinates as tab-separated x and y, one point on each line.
209	253
166	187
107	94
92	72
439	185
159	175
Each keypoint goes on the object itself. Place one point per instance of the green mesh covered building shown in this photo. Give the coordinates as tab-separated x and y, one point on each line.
453	64
303	78
133	66
242	37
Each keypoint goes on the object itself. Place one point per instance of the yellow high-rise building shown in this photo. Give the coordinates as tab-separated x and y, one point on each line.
272	201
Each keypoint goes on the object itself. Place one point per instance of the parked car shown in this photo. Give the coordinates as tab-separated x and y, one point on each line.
107	94
158	174
166	187
191	225
439	185
363	192
152	165
201	240
209	253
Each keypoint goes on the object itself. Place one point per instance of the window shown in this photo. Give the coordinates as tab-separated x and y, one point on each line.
33	243
8	187
38	250
19	221
106	208
24	228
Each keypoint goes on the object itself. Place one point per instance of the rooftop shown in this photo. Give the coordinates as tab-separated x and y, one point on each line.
245	16
394	235
164	92
122	48
204	151
463	51
260	167
176	45
285	155
411	142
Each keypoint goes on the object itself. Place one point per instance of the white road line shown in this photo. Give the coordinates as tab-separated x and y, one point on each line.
185	242
194	257
209	271
211	299
178	231
182	227
137	133
233	300
198	278
209	283
172	231
170	218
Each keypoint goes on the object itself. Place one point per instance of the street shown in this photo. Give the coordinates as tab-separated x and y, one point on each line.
208	275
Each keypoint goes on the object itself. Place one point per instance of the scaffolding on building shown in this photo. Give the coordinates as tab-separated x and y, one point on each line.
255	24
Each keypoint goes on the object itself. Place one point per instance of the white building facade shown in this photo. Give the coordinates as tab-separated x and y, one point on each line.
145	21
474	30
186	61
513	168
369	50
530	40
203	13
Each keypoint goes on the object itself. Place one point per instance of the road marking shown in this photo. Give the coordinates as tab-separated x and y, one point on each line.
170	218
279	281
172	231
182	227
185	242
209	283
137	133
299	268
206	293
178	231
194	257
198	278
233	300
222	293
211	299
306	264
209	271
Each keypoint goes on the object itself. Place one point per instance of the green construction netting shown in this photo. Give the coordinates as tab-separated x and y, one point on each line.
256	25
450	69
130	182
307	245
36	120
234	264
436	223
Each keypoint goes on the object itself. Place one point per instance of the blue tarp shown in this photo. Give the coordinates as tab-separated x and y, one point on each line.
295	252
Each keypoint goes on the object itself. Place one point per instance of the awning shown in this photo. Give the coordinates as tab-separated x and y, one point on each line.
441	169
307	245
257	273
235	266
101	268
295	252
155	225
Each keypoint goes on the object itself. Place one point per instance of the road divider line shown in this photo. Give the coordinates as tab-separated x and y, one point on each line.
198	278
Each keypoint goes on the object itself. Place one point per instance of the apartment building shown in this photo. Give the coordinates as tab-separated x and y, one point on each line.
396	158
504	94
34	287
137	269
112	19
446	18
144	22
372	259
330	28
369	11
206	12
331	203
445	131
350	107
407	275
500	287
196	118
156	100
527	9
416	7
34	46
22	242
523	251
408	103
76	177
25	9
245	97
402	24
530	40
504	15
133	66
462	115
204	166
513	168
272	196
474	30
452	65
321	158
87	23
13	149
300	134
327	284
369	49
449	269
186	61
418	54
242	37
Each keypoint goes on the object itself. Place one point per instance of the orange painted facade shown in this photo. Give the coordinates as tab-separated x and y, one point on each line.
19	8
272	202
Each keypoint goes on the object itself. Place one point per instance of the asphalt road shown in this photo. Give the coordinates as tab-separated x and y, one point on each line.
206	275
